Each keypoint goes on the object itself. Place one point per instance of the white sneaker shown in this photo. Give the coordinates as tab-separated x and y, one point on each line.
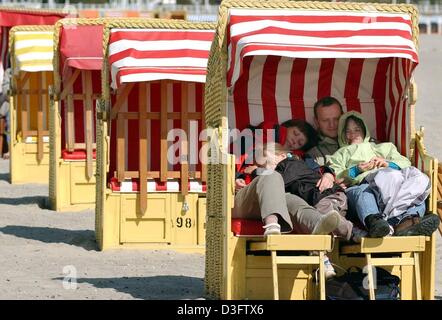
327	223
272	228
329	269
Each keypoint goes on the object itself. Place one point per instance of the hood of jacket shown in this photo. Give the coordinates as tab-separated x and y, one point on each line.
341	132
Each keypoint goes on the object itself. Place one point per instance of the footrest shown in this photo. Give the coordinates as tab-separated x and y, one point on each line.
294	242
387	245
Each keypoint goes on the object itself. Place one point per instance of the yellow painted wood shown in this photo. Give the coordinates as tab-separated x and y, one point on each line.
406	285
381	262
275	276
24	165
293	242
202	209
386	244
321	275
298	260
185	223
371	283
417	276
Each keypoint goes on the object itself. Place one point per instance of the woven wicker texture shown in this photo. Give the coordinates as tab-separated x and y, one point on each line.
215	109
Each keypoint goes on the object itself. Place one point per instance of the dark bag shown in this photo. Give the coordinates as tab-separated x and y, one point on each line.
350	286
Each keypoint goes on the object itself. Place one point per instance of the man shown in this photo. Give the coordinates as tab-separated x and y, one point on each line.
327	112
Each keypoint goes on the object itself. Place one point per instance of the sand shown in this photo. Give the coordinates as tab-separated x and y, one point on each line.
39	247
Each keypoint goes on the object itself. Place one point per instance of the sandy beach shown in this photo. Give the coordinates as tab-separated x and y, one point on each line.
39	247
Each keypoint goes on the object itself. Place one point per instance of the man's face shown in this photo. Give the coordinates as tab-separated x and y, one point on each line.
327	120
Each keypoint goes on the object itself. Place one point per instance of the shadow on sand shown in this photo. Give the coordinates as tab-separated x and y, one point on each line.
4	177
80	238
151	288
41	201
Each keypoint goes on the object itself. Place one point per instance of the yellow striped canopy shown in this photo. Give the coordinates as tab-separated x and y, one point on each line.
33	50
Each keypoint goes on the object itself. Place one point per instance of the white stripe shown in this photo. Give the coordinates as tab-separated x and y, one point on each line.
253	26
158	45
254	90
161	62
36	55
339	77
291	12
114	30
34	139
33	43
311	81
160	76
48	67
283	85
126	186
368	109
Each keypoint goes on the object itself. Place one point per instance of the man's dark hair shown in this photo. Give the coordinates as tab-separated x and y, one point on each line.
325	102
307	129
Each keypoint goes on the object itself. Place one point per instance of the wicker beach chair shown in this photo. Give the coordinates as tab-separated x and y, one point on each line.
77	87
271	60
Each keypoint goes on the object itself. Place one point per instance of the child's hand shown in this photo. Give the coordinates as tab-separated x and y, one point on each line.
379	162
366	166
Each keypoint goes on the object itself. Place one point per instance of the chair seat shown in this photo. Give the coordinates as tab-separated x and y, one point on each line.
293	242
386	245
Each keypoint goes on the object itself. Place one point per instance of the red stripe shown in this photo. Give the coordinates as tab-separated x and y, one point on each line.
351	92
317	19
404	146
156	54
159	35
176	107
325	78
240	94
392	100
378	95
398	103
297	84
268	89
189	71
199	107
132	141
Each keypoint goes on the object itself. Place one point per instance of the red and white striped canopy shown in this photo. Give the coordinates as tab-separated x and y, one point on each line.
80	54
282	61
137	55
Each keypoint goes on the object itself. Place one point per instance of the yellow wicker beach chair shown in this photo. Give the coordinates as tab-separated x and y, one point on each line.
29	102
271	60
142	199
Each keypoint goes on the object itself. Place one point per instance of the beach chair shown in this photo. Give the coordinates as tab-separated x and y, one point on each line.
29	150
272	61
77	77
28	161
157	72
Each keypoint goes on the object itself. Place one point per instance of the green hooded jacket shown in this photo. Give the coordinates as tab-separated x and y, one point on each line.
349	156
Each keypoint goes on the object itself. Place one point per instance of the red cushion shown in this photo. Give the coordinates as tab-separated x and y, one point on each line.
77	154
247	227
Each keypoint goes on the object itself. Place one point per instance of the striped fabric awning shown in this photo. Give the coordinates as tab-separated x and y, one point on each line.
137	55
34	50
80	54
280	62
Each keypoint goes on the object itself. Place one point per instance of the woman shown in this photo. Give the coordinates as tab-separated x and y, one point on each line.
264	197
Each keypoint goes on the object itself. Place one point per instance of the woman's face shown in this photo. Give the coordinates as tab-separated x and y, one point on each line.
354	133
295	139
